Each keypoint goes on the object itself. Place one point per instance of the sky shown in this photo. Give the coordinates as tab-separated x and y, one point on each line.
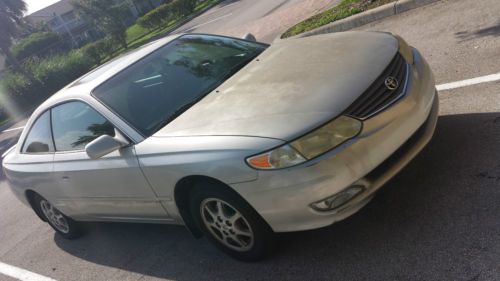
35	5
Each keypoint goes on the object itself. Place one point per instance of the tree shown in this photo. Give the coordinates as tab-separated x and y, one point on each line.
105	16
11	14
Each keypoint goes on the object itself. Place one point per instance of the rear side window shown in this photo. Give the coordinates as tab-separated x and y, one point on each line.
39	139
74	124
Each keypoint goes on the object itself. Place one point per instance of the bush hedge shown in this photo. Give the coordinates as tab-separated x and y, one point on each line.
98	50
57	71
51	74
165	13
40	44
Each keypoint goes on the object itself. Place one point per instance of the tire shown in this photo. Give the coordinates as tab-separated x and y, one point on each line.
65	226
238	230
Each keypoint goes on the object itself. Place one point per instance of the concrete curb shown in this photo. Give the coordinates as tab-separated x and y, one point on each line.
366	17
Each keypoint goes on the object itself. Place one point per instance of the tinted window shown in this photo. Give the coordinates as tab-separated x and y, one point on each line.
39	139
159	87
75	124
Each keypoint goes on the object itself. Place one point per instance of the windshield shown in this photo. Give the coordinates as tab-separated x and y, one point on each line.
156	89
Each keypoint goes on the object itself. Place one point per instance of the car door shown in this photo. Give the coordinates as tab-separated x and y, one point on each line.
112	187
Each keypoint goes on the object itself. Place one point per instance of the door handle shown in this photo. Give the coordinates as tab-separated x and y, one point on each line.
65	178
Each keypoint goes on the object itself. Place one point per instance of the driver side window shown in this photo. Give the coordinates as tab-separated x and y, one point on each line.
75	124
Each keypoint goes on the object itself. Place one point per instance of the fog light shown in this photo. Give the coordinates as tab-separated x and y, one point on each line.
338	199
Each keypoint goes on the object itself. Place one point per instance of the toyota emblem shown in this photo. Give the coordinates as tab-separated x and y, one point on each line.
391	83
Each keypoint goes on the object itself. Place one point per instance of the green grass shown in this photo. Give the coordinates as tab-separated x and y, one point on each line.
343	10
151	35
204	4
136	31
3	121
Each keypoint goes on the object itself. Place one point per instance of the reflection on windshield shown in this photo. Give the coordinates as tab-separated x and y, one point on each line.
162	85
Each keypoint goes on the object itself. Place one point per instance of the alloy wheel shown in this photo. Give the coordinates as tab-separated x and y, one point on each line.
227	224
55	217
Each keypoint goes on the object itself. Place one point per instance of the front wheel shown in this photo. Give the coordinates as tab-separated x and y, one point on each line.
62	224
231	224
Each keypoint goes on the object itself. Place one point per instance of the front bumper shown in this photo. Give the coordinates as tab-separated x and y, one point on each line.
388	142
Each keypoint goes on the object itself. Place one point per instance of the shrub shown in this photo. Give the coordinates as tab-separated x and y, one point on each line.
16	84
20	90
57	71
40	44
165	13
98	50
51	74
156	17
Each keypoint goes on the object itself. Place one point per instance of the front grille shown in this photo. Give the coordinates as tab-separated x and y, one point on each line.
379	96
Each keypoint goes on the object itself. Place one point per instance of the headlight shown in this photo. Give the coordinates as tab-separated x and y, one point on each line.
327	137
405	49
309	146
278	158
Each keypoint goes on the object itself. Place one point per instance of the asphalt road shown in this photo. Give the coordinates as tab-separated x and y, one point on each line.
437	220
266	19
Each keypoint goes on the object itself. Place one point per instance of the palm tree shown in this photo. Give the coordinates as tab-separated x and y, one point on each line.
11	14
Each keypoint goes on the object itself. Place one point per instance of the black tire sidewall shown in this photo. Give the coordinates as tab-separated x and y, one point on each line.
263	235
75	229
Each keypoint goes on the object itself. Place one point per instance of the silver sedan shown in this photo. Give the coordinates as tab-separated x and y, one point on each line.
235	139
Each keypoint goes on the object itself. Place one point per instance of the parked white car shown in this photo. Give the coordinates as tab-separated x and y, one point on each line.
233	138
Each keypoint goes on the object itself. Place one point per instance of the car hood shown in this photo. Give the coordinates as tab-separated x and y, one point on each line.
294	86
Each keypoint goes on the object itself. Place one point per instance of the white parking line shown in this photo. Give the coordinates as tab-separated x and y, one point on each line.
210	21
218	9
469	82
21	274
13	129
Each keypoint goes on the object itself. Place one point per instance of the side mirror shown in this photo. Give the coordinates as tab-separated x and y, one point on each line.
104	145
250	37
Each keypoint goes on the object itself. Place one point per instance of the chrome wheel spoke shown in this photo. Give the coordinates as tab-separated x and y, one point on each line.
210	212
235	218
242	232
235	240
220	212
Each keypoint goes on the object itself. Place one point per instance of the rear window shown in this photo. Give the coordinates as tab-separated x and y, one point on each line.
156	89
39	139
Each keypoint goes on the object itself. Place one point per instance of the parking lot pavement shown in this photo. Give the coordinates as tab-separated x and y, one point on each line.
266	19
436	220
459	38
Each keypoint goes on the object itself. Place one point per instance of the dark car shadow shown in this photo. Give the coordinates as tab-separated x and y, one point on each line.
493	30
435	220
